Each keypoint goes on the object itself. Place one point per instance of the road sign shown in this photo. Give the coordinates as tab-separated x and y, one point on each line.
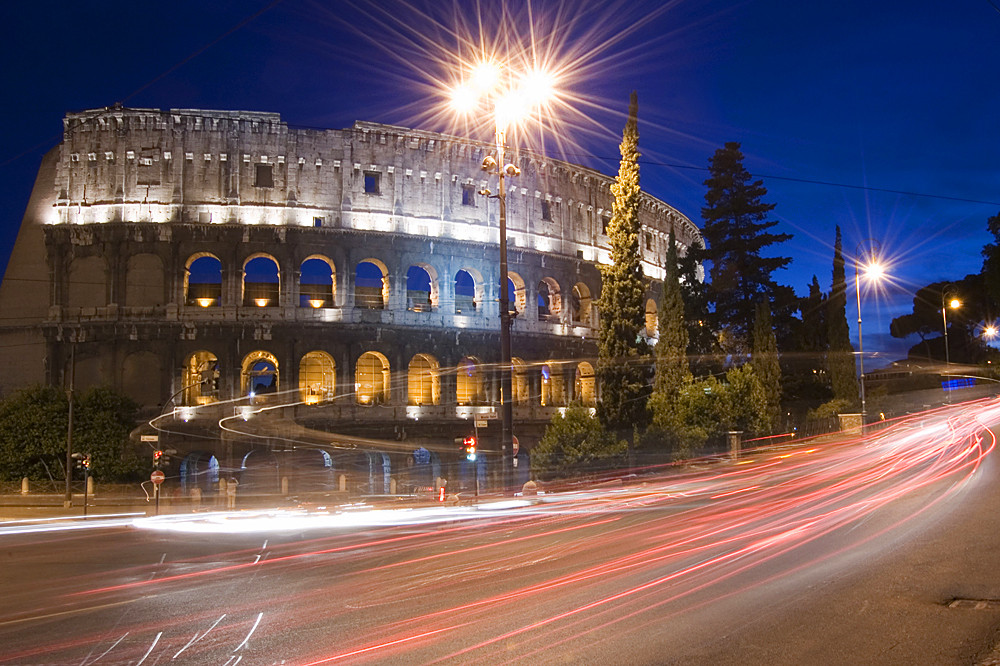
150	438
482	423
515	445
157	477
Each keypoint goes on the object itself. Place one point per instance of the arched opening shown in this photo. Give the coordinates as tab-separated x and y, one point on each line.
144	281
520	390
317	377
585	385
469	382
423	383
421	288
87	283
553	391
259	473
468	292
424	468
311	470
516	295
261	284
316	281
651	320
259	376
371	285
549	302
201	378
581	301
371	379
203	281
200	470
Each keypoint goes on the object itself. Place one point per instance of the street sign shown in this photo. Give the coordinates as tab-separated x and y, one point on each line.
150	438
157	477
515	445
482	423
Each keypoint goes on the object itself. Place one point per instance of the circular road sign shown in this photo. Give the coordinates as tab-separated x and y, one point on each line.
515	445
156	477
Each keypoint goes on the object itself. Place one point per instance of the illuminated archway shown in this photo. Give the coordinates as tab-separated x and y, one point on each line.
469	382
371	379
586	385
468	291
651	321
317	280
520	390
203	280
201	375
516	294
259	374
421	288
261	281
580	305
371	285
549	300
553	391
423	383
317	377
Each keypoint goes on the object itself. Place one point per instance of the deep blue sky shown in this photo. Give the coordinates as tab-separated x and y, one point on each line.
891	95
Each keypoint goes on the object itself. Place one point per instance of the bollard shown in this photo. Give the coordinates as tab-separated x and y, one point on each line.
90	485
529	488
735	441
196	496
392	485
221	498
24	486
343	483
284	485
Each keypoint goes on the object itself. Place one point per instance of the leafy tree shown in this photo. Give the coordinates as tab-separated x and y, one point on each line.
704	353
575	443
964	346
765	364
744	401
33	424
840	358
736	231
991	260
671	367
814	328
805	382
622	366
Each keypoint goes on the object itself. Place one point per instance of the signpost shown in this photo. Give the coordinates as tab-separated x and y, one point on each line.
514	447
157	478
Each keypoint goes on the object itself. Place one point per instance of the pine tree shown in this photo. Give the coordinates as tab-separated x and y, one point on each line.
622	364
671	367
840	357
736	231
765	363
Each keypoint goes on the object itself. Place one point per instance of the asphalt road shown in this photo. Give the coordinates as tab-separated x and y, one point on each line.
833	552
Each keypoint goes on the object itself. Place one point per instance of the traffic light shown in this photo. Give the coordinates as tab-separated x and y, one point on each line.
157	458
469	444
86	462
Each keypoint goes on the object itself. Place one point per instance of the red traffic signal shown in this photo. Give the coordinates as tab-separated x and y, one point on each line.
469	444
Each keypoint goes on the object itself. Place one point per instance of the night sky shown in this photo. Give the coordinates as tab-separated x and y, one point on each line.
880	117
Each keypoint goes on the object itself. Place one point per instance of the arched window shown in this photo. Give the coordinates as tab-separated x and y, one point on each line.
519	381
553	391
261	284
88	283
423	383
316	280
469	382
586	387
421	289
651	321
144	281
259	375
203	281
317	377
371	285
548	299
371	379
581	301
516	296
201	378
467	296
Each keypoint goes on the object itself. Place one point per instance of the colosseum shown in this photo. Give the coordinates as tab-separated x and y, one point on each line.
311	309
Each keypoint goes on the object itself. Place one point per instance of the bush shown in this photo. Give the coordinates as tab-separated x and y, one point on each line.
576	443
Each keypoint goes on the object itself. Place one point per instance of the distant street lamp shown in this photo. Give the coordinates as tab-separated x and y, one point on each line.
508	96
948	300
873	271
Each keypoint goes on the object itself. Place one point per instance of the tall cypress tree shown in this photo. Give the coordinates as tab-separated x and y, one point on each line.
672	370
736	231
765	364
622	363
840	356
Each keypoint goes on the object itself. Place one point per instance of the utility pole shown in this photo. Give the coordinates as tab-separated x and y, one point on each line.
68	500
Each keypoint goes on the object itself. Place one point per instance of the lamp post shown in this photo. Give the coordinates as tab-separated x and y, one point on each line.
953	303
873	270
506	102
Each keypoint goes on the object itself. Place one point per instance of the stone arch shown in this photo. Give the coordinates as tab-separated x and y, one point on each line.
88	283
652	323
549	298
421	288
468	291
586	384
144	281
423	381
371	284
317	377
469	382
580	305
200	369
203	280
553	389
520	388
317	282
261	281
259	374
140	370
371	379
517	296
259	473
199	469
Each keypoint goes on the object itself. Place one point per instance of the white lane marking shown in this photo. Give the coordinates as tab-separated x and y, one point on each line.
252	629
196	637
113	645
155	641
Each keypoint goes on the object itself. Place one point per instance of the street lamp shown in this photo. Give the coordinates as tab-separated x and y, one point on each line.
873	271
954	303
507	96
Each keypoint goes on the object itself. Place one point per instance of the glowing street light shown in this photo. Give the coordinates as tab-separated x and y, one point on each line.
873	272
508	97
954	303
989	331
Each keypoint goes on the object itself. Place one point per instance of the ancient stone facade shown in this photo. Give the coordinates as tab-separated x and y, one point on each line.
209	262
